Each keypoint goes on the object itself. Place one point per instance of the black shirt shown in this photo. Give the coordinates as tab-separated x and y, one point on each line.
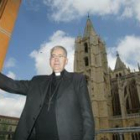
46	126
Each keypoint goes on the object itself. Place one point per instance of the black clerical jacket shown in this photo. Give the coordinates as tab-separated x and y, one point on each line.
73	111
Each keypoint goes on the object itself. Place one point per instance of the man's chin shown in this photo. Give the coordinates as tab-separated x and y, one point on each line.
57	70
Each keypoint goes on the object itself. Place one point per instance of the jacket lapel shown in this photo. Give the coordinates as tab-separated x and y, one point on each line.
44	87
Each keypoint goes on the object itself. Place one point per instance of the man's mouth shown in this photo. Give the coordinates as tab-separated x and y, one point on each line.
56	64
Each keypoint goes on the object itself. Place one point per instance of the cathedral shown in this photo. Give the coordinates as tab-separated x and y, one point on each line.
114	94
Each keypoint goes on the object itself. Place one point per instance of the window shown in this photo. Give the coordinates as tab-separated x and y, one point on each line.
86	61
2	6
120	74
86	47
135	136
116	137
132	98
115	100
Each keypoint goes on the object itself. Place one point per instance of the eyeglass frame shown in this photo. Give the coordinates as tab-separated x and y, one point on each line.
53	56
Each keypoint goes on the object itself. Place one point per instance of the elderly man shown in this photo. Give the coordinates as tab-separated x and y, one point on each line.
57	106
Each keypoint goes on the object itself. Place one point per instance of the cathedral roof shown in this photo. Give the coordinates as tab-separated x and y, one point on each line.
119	64
89	29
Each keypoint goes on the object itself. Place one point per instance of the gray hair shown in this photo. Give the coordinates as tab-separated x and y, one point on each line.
59	47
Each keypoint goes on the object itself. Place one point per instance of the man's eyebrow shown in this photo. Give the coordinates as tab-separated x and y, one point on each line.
57	54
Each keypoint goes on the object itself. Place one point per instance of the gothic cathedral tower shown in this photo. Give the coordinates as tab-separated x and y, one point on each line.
91	60
8	14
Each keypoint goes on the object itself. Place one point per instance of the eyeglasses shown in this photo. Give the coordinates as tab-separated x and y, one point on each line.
57	56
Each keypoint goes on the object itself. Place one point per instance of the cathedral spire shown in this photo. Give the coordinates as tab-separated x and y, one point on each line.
89	29
119	63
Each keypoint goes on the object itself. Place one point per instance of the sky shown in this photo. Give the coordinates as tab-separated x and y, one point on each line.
42	24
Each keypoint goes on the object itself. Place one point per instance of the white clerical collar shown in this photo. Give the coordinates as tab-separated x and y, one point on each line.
57	73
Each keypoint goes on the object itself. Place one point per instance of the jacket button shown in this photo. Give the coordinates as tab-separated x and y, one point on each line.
34	118
40	106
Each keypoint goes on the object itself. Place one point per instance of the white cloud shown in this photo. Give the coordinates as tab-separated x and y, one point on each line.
129	51
127	12
137	10
11	75
42	55
131	8
11	106
67	10
111	56
10	63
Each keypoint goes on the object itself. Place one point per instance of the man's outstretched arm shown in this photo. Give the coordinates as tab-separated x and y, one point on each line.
13	86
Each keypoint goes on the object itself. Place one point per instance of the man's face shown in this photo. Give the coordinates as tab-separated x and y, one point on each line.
58	60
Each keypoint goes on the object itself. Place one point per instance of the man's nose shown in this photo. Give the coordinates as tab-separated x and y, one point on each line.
56	58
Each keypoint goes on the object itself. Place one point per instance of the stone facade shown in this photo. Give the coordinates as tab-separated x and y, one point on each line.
115	94
7	127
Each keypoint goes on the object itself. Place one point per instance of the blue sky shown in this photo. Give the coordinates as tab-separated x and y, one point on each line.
42	24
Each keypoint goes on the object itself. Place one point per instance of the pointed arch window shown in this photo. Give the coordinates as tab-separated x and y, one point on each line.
118	136
120	75
132	100
86	47
86	61
136	135
115	101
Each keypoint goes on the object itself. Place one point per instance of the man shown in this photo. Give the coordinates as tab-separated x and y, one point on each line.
57	106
